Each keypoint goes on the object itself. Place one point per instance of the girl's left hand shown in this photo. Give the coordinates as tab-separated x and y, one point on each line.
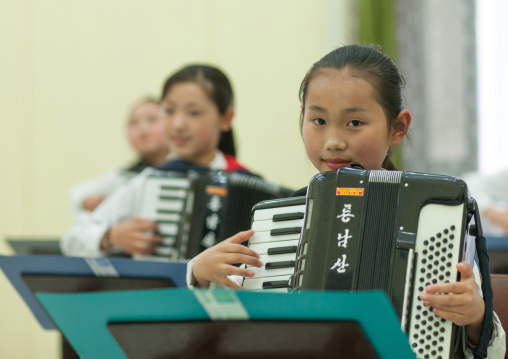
463	305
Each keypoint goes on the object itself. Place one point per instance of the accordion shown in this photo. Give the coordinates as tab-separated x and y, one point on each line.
370	230
195	210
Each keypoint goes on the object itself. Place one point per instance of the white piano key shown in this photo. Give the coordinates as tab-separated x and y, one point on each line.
274	290
269	224
262	248
168	241
164	251
167	217
168	229
267	214
263	237
151	213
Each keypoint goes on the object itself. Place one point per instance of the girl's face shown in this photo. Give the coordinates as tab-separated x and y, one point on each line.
193	123
146	130
343	122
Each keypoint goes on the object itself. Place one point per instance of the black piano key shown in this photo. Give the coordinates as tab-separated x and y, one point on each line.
287	216
170	188
168	211
276	284
166	221
282	250
170	198
282	264
167	235
282	231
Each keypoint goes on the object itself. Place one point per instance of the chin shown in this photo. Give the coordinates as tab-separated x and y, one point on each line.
325	169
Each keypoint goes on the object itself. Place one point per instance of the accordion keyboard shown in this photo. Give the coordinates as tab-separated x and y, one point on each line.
163	201
277	232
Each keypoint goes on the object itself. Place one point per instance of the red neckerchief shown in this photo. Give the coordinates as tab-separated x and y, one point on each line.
232	164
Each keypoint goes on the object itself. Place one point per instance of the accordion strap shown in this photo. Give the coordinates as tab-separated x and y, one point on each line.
480	352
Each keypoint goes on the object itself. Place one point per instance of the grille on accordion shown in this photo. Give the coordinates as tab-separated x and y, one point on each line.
194	210
370	230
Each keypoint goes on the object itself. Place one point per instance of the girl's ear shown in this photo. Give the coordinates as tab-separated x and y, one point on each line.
226	119
400	127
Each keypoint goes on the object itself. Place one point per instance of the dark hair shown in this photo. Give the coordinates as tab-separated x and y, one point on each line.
376	68
218	88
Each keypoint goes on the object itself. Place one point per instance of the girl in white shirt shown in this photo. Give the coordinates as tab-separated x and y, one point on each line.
197	107
352	110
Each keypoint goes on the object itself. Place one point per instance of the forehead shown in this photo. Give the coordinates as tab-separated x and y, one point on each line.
147	108
187	92
339	87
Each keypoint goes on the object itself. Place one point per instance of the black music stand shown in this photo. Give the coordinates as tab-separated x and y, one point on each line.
176	323
498	254
60	274
34	246
231	339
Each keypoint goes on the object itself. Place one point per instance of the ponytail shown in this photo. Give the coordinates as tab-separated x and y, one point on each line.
227	143
388	164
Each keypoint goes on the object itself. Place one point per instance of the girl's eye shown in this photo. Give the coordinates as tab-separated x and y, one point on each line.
195	113
169	111
354	123
319	121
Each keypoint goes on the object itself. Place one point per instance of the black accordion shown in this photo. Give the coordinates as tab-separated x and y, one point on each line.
195	210
370	230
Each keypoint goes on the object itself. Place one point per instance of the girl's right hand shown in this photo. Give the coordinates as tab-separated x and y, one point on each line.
216	263
135	236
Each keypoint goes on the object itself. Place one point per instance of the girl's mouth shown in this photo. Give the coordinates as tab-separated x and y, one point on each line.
180	141
335	163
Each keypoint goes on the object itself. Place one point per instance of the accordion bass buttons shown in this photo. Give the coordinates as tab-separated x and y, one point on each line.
438	248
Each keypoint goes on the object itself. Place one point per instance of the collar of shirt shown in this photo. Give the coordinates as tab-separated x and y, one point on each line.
218	163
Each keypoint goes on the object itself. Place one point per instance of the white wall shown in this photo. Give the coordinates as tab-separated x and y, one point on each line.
70	69
492	52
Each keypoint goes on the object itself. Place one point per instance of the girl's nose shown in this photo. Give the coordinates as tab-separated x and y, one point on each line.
179	120
335	142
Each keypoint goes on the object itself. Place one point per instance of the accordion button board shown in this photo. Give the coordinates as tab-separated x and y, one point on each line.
437	238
